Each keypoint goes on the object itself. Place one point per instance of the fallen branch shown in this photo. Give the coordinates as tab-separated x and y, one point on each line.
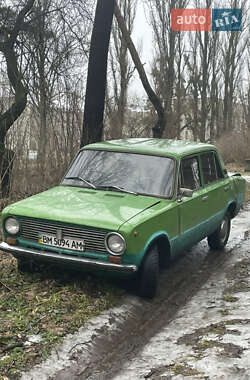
5	286
79	344
11	347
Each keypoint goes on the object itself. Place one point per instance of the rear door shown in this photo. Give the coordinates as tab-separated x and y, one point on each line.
216	190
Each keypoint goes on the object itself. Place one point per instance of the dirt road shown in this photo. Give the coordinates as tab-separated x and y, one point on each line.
198	326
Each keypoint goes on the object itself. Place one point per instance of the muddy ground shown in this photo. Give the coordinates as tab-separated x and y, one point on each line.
198	326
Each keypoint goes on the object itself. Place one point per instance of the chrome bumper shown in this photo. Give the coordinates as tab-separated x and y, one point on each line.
33	254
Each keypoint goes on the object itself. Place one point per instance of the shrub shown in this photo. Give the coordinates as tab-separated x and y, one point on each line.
234	147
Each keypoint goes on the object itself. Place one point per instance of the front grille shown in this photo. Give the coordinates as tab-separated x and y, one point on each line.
94	238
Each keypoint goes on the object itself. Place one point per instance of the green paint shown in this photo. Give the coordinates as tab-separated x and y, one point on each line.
101	209
159	147
140	219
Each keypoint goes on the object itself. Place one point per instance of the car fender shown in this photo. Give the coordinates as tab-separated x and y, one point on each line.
154	238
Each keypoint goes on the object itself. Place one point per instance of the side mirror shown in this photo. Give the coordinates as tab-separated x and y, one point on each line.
186	192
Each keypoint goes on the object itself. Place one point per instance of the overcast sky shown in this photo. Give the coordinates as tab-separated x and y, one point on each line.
142	34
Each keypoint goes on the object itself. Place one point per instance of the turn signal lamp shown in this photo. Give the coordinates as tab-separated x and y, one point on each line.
11	241
115	259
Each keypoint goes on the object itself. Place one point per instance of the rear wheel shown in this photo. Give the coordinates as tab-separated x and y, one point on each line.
219	238
149	273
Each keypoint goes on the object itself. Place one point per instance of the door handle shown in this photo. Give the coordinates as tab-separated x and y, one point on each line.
204	199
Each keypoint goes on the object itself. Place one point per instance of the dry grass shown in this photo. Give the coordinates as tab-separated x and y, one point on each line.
47	305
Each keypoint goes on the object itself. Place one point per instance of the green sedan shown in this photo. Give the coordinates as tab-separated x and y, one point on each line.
127	207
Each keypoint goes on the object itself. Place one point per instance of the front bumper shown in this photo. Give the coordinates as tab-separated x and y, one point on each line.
50	257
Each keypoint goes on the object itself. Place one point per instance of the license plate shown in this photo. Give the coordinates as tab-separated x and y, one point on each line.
66	243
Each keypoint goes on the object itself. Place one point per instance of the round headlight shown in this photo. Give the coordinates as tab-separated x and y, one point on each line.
12	226
115	244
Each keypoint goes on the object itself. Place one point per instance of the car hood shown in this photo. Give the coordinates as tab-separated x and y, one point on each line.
89	207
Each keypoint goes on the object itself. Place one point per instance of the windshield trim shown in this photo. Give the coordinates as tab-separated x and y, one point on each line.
173	192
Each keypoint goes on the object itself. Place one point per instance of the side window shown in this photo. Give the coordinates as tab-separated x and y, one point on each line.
211	168
189	176
218	168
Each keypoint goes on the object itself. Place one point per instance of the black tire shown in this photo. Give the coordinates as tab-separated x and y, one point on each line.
25	266
218	239
149	273
164	261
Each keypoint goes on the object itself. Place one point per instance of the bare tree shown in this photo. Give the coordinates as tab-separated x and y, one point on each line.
179	106
205	50
193	77
12	22
121	72
231	70
158	129
215	88
233	47
55	55
167	60
243	94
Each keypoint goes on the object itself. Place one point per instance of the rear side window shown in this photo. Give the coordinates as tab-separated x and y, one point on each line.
210	168
189	176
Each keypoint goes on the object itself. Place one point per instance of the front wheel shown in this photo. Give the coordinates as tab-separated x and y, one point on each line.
149	273
219	238
25	266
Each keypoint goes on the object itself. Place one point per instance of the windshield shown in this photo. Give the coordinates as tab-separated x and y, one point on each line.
131	172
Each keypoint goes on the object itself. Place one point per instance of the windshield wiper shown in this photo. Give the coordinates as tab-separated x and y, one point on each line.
83	180
113	187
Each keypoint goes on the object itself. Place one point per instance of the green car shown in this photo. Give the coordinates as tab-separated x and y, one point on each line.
127	207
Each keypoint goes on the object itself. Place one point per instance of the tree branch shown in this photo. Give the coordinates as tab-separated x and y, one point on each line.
20	20
160	125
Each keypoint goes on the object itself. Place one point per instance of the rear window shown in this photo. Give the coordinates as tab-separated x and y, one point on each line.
210	168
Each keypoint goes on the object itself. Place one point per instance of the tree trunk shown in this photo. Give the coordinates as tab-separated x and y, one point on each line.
204	87
97	73
170	130
10	116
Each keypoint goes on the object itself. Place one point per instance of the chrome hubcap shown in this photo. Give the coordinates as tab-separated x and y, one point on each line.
223	230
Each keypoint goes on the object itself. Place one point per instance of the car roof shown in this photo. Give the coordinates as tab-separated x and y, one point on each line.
152	146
